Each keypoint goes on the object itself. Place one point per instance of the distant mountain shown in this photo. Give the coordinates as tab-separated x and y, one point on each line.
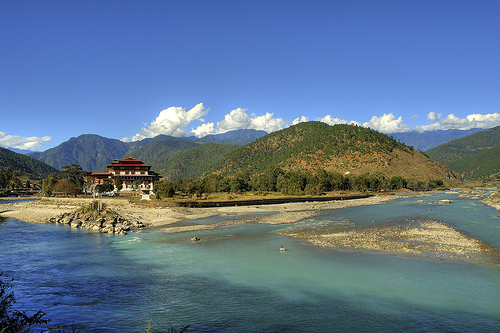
93	152
24	165
90	151
237	137
423	141
340	148
475	156
21	151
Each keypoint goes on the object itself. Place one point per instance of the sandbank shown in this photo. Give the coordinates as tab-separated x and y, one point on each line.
41	210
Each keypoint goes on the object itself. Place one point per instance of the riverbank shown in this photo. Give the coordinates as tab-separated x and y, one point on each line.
163	217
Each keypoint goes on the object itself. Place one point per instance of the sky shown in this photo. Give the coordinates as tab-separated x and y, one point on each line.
128	70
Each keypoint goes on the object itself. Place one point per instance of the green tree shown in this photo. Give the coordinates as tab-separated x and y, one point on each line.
67	187
6	176
240	182
103	188
48	184
164	189
73	172
118	183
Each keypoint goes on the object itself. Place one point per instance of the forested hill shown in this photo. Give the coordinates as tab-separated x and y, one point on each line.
193	162
25	166
466	147
339	148
485	165
474	157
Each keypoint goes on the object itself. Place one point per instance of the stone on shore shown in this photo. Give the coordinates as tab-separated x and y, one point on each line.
106	221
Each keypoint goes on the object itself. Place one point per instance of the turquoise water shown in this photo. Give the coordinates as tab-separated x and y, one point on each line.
235	280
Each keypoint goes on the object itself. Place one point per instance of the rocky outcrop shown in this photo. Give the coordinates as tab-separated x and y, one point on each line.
106	221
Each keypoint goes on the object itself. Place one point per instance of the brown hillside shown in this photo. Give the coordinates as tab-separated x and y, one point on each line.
340	148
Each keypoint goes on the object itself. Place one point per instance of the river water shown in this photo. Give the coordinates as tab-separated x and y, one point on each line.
235	280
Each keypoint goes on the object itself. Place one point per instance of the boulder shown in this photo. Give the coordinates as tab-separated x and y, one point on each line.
445	202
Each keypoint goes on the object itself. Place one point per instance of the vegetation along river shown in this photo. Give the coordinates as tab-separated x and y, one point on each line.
234	279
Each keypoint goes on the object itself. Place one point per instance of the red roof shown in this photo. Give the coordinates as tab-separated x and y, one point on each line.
128	165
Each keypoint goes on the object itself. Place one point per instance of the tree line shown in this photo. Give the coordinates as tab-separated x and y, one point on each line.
275	179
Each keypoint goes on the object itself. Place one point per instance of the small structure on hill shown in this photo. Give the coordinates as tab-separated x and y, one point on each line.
134	175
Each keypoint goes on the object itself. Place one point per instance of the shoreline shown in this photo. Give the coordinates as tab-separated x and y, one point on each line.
41	210
423	238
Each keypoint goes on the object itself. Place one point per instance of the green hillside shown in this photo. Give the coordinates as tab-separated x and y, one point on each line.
195	161
24	166
465	147
340	148
479	166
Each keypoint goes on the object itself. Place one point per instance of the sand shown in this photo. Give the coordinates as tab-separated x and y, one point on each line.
40	210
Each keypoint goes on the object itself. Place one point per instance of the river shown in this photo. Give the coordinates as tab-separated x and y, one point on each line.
235	280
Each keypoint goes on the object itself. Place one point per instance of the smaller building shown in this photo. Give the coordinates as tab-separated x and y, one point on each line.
134	174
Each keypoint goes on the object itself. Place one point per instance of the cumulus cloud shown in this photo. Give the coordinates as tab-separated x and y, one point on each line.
302	119
328	119
18	142
388	123
171	121
174	121
453	122
239	119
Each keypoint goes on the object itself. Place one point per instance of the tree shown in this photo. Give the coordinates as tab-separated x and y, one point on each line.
48	184
103	188
118	183
240	182
6	177
73	172
67	187
164	189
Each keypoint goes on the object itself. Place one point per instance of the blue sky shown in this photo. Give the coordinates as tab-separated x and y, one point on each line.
133	69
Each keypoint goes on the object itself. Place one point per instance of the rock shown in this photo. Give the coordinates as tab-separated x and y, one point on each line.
105	221
67	220
445	202
76	223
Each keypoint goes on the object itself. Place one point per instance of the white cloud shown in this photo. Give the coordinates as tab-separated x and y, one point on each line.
453	122
18	142
174	120
204	130
433	117
171	121
388	123
328	119
302	119
239	119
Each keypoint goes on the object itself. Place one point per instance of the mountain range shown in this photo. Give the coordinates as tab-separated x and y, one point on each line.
93	152
177	158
